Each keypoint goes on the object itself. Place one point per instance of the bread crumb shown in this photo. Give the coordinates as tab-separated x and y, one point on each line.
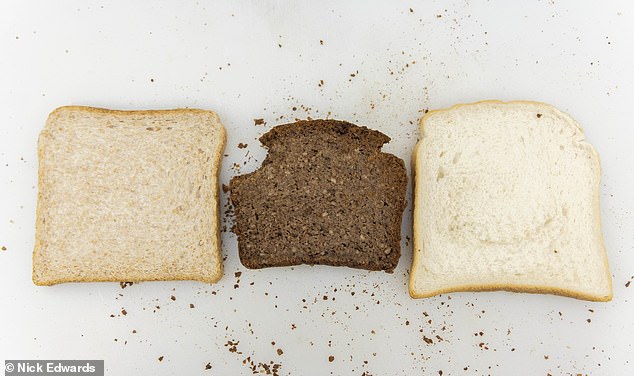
173	297
259	122
280	352
331	358
207	366
160	358
125	284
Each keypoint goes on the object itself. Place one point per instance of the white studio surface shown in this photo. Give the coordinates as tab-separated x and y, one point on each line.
379	64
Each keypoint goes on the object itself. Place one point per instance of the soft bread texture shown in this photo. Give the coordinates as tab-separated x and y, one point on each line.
128	196
506	197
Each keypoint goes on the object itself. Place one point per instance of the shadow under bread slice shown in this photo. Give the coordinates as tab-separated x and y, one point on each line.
325	194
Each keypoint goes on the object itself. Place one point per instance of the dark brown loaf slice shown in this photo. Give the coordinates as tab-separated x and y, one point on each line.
325	194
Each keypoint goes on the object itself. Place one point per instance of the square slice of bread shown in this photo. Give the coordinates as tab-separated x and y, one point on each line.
507	198
128	196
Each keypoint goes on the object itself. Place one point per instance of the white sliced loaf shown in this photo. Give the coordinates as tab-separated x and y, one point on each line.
128	196
507	198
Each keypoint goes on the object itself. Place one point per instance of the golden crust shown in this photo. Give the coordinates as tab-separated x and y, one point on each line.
513	288
502	287
217	246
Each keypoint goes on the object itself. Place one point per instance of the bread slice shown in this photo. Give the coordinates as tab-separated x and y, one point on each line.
128	196
325	194
507	198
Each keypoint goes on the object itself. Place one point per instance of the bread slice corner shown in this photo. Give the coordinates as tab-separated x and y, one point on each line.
506	197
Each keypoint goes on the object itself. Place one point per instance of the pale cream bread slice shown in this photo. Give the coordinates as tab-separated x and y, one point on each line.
128	196
506	197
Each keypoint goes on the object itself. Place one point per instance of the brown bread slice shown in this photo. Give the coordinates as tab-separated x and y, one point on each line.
325	194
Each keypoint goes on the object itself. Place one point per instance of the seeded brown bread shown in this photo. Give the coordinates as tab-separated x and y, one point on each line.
128	196
325	194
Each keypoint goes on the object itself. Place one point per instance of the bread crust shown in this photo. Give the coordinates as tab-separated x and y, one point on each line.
217	247
535	289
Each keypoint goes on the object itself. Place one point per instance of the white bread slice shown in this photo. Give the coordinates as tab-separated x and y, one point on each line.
128	196
507	198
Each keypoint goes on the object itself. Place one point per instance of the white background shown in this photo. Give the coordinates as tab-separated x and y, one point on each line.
259	59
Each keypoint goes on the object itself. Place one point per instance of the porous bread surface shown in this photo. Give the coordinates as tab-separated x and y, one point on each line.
128	196
325	194
507	198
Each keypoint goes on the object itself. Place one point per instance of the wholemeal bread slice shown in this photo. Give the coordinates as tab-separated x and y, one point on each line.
128	196
325	194
507	198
